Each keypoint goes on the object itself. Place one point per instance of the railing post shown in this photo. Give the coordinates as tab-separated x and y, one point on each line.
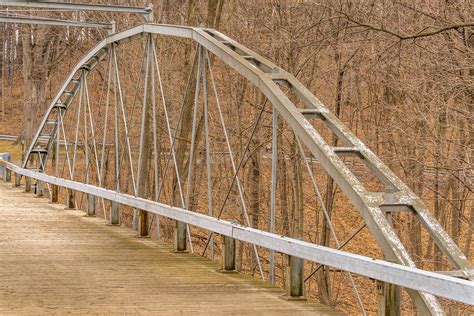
27	184
8	175
114	213
180	237
70	199
91	205
6	171
295	280
388	294
17	182
228	254
54	193
388	299
142	223
39	188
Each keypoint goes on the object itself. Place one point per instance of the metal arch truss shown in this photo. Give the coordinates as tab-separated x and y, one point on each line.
269	78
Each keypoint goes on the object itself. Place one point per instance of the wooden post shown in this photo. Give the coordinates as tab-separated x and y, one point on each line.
228	254
70	199
39	188
91	205
114	213
54	193
180	237
8	175
17	182
142	223
388	299
295	280
6	171
388	294
27	184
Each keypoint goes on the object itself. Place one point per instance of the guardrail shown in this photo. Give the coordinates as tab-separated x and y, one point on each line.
3	170
409	277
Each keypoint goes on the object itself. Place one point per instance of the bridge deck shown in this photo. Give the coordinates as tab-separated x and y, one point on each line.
55	261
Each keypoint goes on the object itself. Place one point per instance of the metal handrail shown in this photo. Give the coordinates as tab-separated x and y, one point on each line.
413	278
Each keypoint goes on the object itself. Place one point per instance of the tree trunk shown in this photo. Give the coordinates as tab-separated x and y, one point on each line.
254	194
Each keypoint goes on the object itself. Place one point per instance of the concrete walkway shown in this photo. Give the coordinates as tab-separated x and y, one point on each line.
54	261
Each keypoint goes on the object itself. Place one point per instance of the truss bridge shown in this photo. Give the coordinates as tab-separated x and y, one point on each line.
115	151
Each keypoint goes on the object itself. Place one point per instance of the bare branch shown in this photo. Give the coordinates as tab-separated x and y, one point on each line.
408	37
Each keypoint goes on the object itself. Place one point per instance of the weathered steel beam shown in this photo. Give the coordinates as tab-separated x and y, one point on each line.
409	277
54	22
78	6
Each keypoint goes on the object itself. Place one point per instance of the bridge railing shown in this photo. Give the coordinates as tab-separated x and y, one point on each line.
412	278
6	174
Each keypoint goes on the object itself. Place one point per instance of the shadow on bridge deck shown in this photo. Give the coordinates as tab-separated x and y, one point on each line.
54	261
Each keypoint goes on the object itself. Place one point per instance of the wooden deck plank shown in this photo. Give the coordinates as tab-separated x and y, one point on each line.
54	261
